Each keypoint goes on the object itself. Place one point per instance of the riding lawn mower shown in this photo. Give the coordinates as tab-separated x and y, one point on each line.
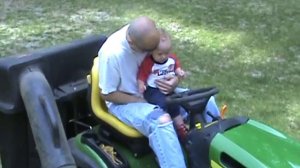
52	116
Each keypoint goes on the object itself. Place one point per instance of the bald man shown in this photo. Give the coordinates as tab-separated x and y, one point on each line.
120	56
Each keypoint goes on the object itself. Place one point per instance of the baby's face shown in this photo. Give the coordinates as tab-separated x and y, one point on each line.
160	54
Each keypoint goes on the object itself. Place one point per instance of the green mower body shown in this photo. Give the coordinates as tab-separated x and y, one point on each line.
254	144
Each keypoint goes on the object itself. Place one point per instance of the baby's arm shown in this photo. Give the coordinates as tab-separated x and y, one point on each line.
141	86
143	73
180	73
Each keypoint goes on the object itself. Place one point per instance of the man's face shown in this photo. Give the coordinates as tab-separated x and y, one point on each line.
140	48
147	44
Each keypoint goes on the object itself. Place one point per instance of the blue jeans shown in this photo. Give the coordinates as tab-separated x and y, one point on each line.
212	107
155	96
162	137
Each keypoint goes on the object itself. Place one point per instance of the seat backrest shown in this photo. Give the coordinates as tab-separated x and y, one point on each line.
99	107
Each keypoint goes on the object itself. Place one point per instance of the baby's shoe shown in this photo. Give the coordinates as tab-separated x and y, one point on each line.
182	132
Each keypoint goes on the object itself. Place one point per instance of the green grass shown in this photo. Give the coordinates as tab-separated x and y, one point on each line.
249	49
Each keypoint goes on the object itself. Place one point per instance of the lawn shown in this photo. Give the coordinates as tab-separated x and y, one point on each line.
249	49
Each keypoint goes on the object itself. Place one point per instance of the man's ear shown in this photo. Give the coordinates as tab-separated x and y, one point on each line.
129	39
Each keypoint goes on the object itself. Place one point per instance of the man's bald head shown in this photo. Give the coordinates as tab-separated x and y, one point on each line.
143	33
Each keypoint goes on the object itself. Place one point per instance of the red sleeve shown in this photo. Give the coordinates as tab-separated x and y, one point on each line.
145	68
177	62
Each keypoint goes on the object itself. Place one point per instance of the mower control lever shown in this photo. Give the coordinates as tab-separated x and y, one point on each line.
48	109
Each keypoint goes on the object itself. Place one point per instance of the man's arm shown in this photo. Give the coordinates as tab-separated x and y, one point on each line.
121	98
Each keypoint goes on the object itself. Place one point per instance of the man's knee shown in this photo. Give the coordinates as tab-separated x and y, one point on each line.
160	116
165	118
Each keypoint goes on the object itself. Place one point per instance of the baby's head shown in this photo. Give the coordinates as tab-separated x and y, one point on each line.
160	54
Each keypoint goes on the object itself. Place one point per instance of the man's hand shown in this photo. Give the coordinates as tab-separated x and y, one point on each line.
167	85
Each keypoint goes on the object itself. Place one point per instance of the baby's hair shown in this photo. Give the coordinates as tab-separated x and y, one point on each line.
164	33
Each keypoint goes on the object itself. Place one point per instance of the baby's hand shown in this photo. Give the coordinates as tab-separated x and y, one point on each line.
181	73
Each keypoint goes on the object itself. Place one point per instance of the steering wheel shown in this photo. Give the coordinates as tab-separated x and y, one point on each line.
194	101
191	95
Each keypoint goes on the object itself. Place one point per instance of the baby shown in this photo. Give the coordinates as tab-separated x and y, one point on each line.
160	64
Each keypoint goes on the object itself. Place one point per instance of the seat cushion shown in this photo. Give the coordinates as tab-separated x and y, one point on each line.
99	107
